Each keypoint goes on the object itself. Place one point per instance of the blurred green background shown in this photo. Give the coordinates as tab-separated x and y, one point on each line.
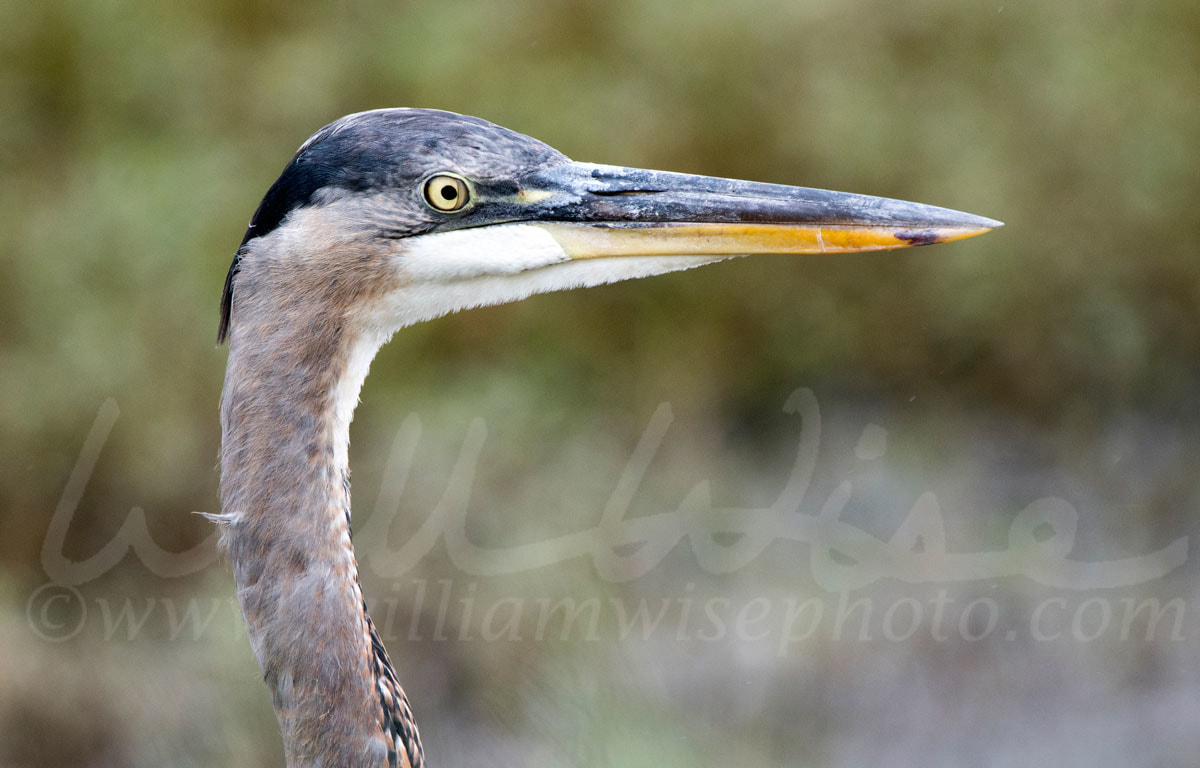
1057	357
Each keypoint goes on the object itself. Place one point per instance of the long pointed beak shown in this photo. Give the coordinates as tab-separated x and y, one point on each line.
597	211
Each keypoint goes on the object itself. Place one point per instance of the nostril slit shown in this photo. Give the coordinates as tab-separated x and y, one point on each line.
619	192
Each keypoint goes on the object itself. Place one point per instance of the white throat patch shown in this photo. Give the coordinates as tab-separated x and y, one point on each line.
466	253
451	271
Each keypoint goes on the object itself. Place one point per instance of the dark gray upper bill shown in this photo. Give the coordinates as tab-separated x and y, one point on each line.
601	193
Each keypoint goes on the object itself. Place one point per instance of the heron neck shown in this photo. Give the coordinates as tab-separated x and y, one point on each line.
290	391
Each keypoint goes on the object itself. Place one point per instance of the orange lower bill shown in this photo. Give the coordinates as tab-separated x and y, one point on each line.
589	241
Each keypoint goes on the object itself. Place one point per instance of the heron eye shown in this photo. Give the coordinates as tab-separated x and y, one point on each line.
447	193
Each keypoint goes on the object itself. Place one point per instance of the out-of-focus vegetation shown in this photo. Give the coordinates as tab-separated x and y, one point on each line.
1059	356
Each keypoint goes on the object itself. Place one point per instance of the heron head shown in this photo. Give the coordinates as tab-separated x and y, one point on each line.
402	215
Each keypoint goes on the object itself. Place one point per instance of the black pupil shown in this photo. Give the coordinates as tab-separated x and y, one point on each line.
449	192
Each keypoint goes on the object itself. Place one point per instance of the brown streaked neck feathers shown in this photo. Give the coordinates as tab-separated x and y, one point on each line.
291	383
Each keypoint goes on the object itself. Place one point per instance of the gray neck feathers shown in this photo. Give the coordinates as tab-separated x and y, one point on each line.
292	380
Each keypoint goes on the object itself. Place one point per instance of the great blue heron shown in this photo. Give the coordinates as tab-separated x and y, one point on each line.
387	218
